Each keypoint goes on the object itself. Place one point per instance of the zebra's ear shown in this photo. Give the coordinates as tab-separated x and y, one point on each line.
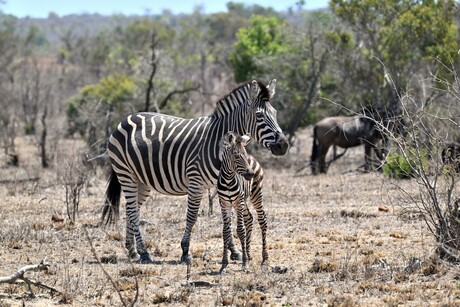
254	91
271	88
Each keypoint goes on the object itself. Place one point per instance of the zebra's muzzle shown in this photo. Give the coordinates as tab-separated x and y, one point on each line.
280	146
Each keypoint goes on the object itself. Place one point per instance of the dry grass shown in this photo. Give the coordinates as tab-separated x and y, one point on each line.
329	244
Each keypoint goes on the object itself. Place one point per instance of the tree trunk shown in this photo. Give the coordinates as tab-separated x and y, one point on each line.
44	135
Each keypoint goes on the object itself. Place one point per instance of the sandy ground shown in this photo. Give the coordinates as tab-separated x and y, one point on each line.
329	245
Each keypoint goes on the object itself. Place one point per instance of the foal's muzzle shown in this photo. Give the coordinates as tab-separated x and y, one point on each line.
280	146
248	175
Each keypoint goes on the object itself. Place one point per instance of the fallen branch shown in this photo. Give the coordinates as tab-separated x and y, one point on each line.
18	277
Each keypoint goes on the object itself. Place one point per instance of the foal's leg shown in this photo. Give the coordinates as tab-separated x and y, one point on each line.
241	231
226	232
248	224
256	200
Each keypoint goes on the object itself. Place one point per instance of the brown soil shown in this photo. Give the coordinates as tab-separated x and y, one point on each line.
329	244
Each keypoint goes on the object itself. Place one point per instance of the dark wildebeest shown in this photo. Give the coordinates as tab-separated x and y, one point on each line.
344	132
451	155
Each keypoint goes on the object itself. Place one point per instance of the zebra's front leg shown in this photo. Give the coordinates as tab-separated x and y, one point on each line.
235	253
226	234
195	193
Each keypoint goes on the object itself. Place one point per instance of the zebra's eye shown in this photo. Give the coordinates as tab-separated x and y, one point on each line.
259	114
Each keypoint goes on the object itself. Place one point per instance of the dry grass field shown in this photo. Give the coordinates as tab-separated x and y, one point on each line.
329	245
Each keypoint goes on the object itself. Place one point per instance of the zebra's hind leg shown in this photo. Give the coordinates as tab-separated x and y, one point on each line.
248	224
257	202
241	231
143	193
226	234
132	190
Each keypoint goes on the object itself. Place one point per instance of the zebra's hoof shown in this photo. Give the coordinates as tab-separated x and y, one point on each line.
134	257
187	259
145	259
236	256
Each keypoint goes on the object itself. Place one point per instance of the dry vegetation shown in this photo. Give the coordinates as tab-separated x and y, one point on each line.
331	242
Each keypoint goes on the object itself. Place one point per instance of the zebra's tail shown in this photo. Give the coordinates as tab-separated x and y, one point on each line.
314	153
111	210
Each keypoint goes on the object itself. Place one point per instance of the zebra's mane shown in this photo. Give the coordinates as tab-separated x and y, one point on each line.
243	91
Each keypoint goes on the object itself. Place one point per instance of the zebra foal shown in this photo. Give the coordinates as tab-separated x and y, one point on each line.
240	177
177	156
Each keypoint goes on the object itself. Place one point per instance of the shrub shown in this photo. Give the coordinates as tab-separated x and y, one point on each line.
404	166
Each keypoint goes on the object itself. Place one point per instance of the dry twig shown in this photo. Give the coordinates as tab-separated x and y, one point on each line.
18	276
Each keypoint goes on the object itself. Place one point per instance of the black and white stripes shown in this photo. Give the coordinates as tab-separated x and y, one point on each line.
240	177
176	156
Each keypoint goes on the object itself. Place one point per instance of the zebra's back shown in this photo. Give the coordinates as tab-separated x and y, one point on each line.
157	150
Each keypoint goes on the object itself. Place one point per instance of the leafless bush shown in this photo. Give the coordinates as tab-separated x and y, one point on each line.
73	172
430	124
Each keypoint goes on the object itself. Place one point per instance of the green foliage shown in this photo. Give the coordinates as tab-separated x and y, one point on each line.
404	36
264	38
84	111
113	89
29	129
404	166
396	166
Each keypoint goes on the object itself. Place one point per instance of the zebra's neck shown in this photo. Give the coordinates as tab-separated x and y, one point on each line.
236	100
228	178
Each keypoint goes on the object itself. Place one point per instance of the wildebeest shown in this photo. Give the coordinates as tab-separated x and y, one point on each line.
451	155
345	132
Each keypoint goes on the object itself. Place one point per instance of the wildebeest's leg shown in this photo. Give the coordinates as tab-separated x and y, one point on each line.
142	195
195	193
379	151
367	156
226	232
322	152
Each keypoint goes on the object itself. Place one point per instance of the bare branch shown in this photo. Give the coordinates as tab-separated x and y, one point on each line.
19	277
174	92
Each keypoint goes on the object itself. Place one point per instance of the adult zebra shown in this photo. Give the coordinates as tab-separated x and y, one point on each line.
240	178
177	156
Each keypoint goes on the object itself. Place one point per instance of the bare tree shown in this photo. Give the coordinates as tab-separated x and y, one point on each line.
417	155
150	81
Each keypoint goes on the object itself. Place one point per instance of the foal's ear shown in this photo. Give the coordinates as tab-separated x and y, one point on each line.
253	91
230	138
271	88
245	139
